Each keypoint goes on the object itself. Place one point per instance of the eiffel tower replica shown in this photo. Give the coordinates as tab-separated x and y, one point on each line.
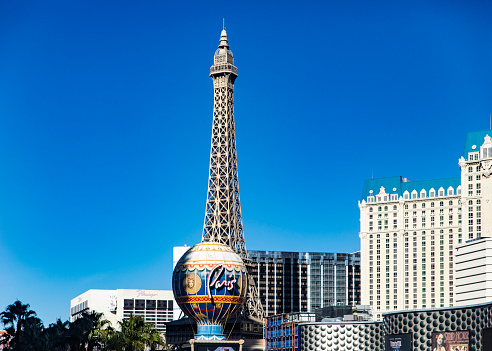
223	220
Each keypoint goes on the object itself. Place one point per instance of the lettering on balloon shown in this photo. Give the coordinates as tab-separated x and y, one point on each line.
214	282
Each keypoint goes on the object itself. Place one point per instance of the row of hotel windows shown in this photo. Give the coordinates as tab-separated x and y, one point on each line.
130	304
414	194
395	207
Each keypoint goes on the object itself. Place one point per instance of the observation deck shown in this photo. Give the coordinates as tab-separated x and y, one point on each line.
223	68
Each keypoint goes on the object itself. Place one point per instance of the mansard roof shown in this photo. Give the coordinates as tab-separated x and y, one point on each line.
398	185
475	138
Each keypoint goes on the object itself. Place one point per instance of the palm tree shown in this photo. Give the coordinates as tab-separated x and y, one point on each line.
99	329
85	332
13	319
32	335
135	335
55	337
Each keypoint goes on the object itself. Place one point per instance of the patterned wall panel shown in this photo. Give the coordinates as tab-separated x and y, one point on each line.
423	323
341	336
420	323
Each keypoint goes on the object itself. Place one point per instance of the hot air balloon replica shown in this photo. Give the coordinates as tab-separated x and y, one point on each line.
209	285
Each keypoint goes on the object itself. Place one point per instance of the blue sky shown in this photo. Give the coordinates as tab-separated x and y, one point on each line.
106	116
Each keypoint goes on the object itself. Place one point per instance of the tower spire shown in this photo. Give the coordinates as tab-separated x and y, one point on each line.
223	220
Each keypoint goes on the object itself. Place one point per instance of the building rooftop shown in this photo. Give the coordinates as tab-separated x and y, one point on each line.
398	185
474	140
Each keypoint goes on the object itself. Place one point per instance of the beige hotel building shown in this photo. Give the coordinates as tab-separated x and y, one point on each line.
409	231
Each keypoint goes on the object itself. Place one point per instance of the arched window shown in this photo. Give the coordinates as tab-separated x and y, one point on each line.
370	209
470	169
379	208
386	208
451	203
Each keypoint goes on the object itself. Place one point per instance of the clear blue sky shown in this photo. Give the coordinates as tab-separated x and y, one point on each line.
106	115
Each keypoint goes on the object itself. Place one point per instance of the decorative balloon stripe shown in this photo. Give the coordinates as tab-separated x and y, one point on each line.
202	266
205	299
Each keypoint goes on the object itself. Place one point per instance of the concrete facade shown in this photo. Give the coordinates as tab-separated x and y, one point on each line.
156	306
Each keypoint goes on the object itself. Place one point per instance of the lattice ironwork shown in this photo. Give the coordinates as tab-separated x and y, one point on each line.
223	220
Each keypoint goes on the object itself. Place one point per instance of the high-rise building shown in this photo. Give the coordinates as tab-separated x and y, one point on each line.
409	230
304	281
155	306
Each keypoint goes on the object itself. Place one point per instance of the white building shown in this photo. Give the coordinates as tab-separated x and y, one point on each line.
156	306
409	231
473	275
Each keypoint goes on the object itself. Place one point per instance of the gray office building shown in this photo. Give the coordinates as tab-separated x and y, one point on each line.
303	281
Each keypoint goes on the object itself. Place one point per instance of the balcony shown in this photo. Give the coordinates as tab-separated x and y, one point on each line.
223	68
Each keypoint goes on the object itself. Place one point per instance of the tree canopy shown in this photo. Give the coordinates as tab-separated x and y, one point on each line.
89	332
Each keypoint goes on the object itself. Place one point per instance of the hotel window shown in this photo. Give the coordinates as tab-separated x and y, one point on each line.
406	195
486	151
450	191
478	177
470	169
478	168
370	199
422	194
394	197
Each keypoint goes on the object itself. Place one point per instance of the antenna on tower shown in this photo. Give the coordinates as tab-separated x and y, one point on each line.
490	121
223	23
